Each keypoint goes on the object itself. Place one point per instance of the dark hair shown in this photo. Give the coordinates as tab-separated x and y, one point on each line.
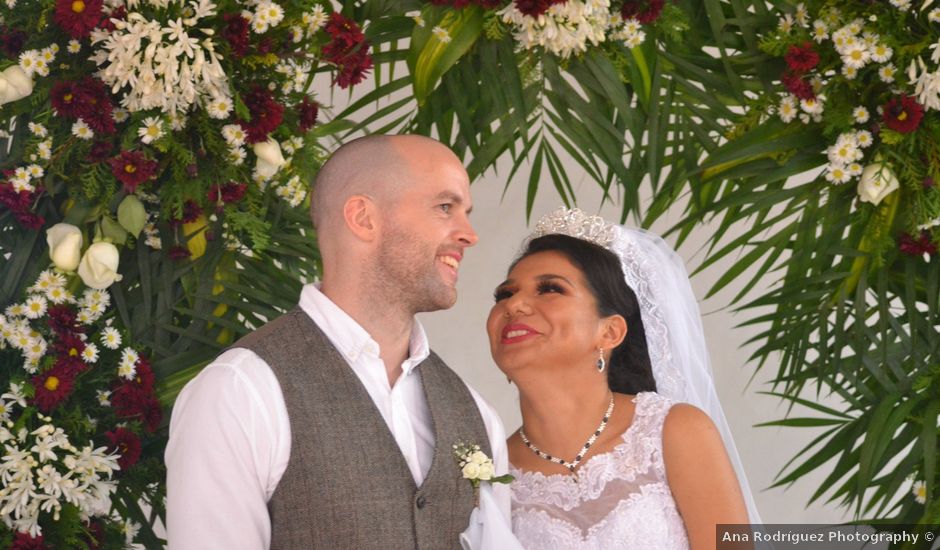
629	369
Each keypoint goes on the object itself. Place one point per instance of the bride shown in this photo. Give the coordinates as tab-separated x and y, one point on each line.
597	326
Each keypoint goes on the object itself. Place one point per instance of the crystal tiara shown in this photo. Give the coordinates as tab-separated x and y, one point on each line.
575	223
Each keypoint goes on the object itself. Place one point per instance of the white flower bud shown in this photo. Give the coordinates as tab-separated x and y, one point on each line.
65	245
14	84
471	471
98	268
269	156
877	182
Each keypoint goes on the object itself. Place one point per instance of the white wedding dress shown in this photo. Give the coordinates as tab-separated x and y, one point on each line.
618	500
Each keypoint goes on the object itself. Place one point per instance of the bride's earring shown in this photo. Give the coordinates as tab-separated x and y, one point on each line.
600	363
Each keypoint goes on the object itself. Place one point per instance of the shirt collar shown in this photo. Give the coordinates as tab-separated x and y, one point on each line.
349	337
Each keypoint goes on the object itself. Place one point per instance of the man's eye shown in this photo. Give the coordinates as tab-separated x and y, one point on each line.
445	207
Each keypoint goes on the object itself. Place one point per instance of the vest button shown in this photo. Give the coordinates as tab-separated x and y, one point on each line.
421	502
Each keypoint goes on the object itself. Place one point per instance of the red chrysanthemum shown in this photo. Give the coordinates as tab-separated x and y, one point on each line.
236	33
78	17
152	415
69	345
796	85
917	247
644	11
191	213
535	8
348	50
132	168
307	113
62	319
801	58
227	192
266	114
52	387
902	114
100	150
127	444
25	541
86	99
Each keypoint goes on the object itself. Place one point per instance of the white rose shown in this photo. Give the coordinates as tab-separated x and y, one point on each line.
14	84
65	245
471	471
479	457
269	156
98	268
877	182
486	471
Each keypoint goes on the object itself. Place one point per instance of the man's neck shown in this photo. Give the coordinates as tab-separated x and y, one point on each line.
385	322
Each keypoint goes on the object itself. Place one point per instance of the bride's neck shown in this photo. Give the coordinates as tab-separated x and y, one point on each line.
560	417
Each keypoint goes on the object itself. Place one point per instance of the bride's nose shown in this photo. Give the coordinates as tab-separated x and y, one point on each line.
517	305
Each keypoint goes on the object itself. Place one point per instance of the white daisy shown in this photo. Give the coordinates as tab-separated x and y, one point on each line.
237	155
54	47
45	149
81	130
849	72
419	21
220	107
801	15
886	73
104	398
863	138
90	353
854	168
881	53
902	5
856	56
919	490
111	338
41	67
934	15
812	105
316	19
234	135
16	310
74	46
36	306
273	13
820	31
28	61
35	171
58	295
38	130
47	55
786	24
119	115
441	34
151	130
634	39
787	109
837	173
860	114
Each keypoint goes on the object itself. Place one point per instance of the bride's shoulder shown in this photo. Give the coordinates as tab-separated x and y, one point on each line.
688	429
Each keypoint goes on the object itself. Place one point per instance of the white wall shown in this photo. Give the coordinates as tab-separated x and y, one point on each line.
458	335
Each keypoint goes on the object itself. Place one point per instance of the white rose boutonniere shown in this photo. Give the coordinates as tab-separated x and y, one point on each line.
475	466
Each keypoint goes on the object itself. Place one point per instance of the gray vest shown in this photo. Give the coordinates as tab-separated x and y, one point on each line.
346	484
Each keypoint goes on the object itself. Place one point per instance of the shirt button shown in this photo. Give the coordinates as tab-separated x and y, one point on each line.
421	502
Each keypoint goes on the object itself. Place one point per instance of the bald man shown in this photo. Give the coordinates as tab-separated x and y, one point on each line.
333	425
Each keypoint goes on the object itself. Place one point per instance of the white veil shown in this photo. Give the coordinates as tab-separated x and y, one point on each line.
670	314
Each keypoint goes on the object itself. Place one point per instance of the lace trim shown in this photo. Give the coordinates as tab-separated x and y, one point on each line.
639	451
537	526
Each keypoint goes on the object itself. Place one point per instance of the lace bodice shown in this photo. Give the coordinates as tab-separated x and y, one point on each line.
619	500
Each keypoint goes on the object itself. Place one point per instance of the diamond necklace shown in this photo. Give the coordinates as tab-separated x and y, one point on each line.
587	444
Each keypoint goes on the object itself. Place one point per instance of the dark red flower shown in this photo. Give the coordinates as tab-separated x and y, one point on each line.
132	168
78	17
236	33
902	114
52	387
127	444
94	538
796	85
30	221
307	113
70	364
25	541
86	99
12	42
266	114
191	213
801	58
644	11
922	245
152	415
69	345
227	192
62	319
348	49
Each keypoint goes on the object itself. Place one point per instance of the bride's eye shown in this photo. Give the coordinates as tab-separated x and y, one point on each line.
546	287
501	294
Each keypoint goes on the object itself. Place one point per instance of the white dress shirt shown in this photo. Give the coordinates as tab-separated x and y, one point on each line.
230	434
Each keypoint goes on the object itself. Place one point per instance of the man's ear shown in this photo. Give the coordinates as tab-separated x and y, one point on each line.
359	214
613	331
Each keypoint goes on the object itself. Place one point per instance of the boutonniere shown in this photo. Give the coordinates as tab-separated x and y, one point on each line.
476	466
